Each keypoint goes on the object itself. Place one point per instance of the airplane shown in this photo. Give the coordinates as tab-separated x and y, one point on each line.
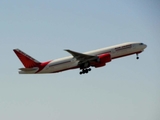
83	61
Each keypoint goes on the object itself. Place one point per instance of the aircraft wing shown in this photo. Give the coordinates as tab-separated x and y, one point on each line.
82	58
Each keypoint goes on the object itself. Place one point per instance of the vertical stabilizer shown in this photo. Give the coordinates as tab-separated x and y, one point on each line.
26	60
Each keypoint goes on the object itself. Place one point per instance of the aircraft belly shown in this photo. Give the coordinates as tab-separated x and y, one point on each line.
59	67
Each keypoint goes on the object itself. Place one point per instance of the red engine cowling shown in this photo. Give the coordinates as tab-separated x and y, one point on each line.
103	59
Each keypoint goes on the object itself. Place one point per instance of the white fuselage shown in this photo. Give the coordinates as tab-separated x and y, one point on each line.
116	51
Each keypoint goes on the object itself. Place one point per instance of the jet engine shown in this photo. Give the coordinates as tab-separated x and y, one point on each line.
102	60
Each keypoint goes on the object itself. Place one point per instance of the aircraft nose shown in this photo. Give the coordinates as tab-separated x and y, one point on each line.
145	46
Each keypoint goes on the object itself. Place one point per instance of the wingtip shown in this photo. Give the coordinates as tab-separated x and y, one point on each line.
66	50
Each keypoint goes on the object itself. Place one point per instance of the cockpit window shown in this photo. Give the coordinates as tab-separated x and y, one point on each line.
141	44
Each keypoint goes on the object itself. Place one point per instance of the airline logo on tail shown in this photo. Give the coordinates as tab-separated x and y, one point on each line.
30	64
26	60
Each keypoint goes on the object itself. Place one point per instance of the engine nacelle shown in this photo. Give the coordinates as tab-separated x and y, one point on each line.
103	59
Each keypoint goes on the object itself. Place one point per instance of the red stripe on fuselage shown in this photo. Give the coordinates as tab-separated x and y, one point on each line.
42	65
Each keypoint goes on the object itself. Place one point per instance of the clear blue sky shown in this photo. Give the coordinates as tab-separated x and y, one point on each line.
126	89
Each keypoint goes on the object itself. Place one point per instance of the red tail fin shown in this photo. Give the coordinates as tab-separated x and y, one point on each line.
26	60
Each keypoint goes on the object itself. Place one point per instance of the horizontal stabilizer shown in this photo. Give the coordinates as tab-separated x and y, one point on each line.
29	69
